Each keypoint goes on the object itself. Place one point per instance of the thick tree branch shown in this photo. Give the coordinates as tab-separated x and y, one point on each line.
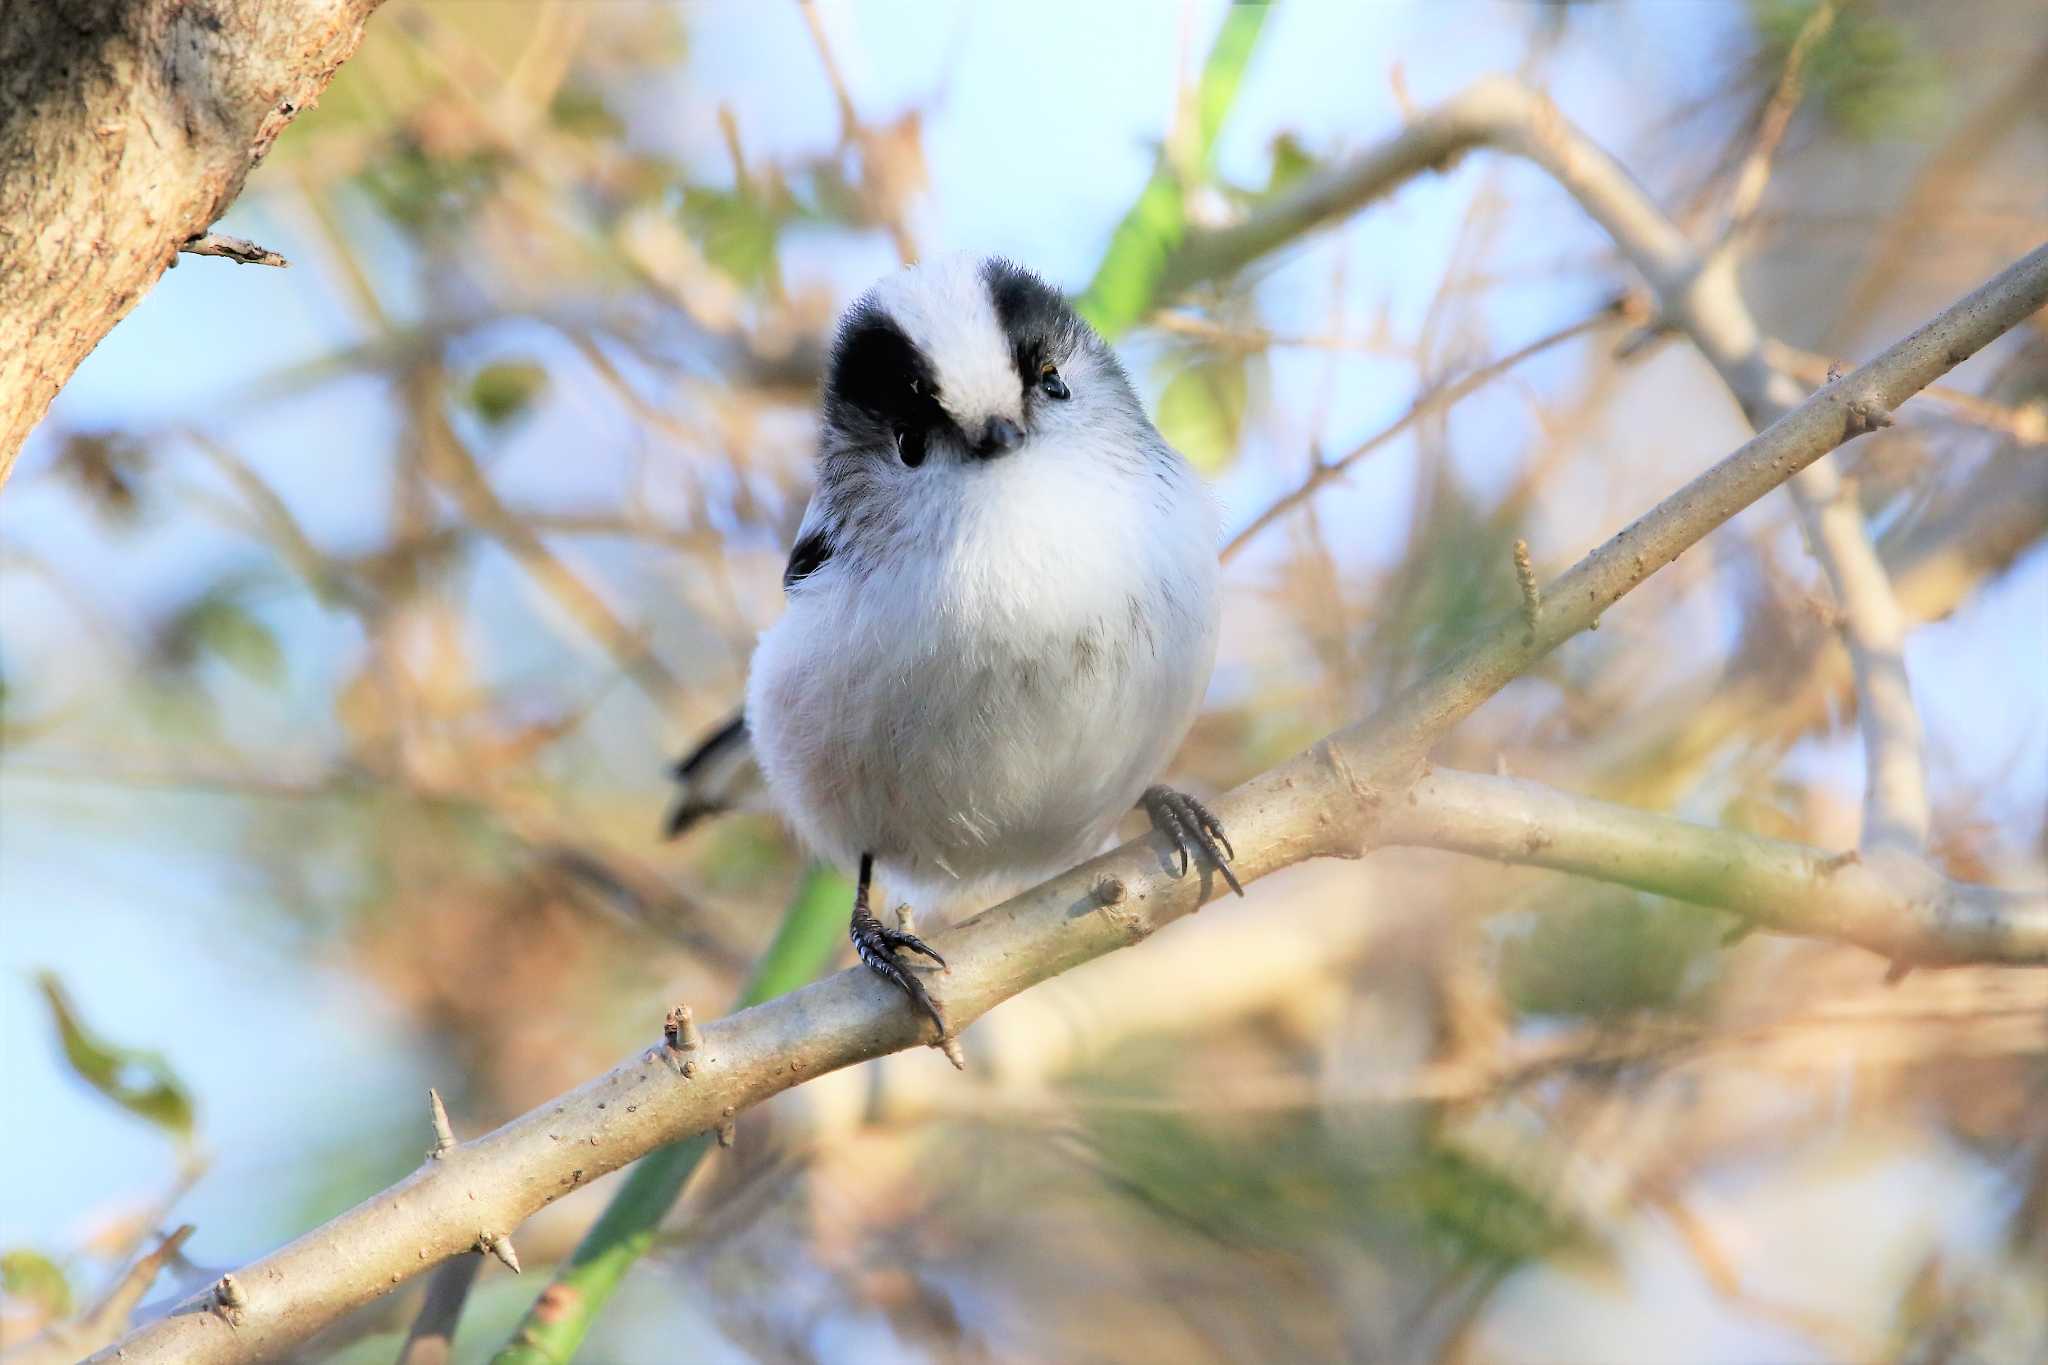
126	129
1887	900
1322	803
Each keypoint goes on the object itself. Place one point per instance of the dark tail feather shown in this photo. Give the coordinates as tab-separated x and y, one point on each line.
684	814
715	776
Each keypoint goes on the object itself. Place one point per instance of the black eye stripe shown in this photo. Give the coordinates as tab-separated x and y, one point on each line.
1034	316
878	378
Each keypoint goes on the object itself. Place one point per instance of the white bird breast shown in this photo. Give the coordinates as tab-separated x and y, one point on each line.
979	701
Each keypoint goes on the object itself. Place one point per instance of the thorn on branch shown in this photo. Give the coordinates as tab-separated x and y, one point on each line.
728	1131
950	1045
1896	972
500	1246
229	1299
1532	594
906	919
444	1134
1865	415
240	250
680	1032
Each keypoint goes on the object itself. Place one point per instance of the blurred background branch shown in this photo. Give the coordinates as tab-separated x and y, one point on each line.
1314	805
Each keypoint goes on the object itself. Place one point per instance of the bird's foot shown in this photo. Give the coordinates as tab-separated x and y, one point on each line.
877	947
1188	823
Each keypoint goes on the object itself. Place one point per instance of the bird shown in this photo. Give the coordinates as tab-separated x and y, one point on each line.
1001	612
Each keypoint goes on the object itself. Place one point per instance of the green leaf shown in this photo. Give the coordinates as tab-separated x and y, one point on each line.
740	230
34	1278
218	625
1292	162
581	111
424	191
1476	1215
1126	284
139	1081
1870	76
1201	409
1608	953
505	390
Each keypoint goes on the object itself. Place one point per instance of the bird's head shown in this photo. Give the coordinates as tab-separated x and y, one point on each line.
960	361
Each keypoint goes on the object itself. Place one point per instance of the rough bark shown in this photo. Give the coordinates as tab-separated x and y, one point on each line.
127	127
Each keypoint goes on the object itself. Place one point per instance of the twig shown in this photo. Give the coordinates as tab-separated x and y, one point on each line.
884	194
1895	803
1291	813
107	1319
432	1338
1226	337
240	250
1755	173
449	462
1435	400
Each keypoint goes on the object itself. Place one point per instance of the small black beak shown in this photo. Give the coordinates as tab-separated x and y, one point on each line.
999	437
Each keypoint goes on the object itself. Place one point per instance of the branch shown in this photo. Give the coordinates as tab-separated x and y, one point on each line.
431	1340
1755	174
1699	296
448	461
126	128
240	250
1437	399
1321	803
105	1320
1887	900
2026	422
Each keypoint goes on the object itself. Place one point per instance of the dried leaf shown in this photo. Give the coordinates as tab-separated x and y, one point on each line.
1202	408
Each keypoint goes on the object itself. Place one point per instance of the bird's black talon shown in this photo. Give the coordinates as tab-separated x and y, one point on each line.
896	938
876	946
1191	825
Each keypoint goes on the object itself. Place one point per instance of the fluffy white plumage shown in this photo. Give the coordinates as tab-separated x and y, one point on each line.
1000	654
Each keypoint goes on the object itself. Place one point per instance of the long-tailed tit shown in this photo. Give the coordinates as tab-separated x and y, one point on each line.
1002	609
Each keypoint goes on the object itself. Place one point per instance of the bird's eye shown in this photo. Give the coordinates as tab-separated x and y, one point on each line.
910	446
1051	385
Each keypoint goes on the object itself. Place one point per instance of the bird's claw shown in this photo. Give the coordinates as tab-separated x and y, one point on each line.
1190	826
877	948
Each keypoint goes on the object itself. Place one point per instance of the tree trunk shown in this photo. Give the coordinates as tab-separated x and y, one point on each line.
127	127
